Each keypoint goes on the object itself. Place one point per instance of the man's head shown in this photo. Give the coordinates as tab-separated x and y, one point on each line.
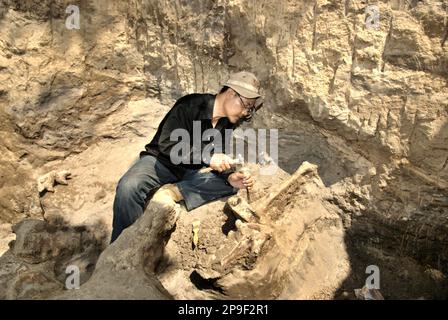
241	96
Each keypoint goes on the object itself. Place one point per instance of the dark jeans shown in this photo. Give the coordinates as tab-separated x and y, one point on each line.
148	174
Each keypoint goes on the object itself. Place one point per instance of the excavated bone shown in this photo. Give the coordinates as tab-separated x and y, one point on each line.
236	252
251	239
242	209
259	256
47	181
268	207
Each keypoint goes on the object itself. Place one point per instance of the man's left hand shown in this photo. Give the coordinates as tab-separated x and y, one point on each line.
240	180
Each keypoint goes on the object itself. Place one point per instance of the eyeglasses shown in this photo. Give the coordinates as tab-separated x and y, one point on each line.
250	109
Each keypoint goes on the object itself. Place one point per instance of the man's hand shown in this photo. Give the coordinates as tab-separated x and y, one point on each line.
240	180
220	162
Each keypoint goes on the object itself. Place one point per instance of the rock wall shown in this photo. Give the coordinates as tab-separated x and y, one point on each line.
368	105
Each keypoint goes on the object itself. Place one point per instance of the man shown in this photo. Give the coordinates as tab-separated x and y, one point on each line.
178	177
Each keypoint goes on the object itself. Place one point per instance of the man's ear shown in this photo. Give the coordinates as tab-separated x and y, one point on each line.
231	92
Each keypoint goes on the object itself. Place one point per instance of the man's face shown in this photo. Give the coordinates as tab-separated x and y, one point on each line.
236	106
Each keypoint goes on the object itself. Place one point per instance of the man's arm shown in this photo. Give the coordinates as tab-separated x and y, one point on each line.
179	120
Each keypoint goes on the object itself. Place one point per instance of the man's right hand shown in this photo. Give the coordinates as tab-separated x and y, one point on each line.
221	162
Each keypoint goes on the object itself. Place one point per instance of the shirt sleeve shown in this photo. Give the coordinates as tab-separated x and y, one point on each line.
179	118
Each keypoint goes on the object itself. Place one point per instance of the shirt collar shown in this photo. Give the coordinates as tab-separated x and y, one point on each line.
207	111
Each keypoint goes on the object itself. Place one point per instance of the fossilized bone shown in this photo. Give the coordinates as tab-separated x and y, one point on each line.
47	181
254	224
243	210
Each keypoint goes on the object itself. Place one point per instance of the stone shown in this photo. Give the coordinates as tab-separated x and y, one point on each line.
125	270
35	264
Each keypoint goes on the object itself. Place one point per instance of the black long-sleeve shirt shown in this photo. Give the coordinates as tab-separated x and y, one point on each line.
186	110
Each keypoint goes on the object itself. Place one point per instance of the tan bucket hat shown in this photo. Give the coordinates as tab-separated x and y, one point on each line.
245	83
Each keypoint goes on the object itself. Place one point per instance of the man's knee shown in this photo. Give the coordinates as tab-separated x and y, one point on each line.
129	201
128	185
132	188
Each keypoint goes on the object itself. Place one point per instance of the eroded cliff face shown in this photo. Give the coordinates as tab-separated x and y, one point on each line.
367	105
